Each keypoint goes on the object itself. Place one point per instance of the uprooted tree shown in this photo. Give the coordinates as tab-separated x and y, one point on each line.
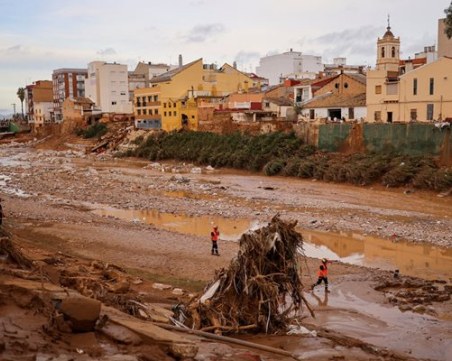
260	291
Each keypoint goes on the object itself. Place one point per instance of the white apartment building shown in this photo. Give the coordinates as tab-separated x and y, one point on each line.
107	86
291	64
41	113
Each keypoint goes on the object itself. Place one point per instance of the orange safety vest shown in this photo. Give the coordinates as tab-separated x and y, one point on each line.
215	235
323	273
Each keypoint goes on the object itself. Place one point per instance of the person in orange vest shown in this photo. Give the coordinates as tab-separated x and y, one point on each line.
215	236
323	275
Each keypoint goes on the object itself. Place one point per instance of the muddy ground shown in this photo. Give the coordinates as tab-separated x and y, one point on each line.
80	205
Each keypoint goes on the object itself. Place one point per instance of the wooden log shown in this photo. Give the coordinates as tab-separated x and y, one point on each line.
229	340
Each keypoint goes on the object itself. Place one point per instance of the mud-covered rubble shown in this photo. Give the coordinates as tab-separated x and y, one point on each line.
413	294
72	175
46	314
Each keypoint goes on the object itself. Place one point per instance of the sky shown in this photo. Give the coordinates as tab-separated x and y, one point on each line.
38	36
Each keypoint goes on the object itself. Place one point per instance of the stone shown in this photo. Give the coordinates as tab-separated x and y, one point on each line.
82	312
419	309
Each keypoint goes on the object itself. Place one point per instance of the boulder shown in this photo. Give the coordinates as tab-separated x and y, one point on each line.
82	312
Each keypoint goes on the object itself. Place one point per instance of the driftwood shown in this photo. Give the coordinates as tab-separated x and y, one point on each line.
261	287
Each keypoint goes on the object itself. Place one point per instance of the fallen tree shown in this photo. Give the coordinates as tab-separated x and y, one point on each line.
260	291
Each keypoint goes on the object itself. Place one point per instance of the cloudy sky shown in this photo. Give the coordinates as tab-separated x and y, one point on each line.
37	36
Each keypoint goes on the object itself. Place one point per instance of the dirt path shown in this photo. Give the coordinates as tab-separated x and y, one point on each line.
56	199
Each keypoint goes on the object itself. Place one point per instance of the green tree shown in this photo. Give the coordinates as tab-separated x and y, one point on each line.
21	95
448	29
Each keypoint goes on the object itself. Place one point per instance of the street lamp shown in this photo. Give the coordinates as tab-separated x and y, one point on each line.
14	109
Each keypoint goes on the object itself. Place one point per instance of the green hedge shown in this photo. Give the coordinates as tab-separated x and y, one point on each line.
285	154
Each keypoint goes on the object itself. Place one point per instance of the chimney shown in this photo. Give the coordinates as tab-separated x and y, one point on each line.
234	64
180	60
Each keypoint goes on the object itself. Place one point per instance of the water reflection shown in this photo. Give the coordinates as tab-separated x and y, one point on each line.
424	261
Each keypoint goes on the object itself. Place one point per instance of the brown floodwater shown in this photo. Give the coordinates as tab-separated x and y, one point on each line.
420	260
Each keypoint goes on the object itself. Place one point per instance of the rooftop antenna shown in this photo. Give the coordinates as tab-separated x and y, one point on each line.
389	22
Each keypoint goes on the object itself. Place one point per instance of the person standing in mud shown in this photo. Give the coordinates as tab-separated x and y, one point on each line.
215	236
323	275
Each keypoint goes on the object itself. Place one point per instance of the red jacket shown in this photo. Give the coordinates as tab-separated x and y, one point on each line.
215	235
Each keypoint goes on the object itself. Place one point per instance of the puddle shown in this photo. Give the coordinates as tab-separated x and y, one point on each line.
425	261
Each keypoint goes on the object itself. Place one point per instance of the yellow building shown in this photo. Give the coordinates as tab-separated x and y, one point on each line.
426	92
171	102
382	92
398	93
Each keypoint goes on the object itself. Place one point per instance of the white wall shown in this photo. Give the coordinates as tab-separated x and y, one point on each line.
360	113
107	86
290	64
41	113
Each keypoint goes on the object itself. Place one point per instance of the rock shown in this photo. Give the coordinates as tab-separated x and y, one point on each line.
120	287
178	291
82	312
161	286
404	308
196	170
419	309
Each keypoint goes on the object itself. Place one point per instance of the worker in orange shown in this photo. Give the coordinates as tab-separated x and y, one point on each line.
322	274
215	236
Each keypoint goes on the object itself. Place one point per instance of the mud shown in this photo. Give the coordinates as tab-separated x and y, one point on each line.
61	222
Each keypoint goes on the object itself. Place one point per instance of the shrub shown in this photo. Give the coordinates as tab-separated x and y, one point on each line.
95	130
274	167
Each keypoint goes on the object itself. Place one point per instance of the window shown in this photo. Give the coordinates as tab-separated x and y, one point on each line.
145	111
156	98
377	116
164	105
267	104
311	113
351	113
139	111
415	86
149	98
345	85
393	52
156	111
193	117
429	111
164	113
377	89
382	52
432	86
113	103
175	113
413	114
336	85
123	93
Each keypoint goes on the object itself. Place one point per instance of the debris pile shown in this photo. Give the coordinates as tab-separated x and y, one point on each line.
260	291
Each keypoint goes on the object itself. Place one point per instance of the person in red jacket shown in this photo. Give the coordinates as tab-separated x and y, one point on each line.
323	275
215	236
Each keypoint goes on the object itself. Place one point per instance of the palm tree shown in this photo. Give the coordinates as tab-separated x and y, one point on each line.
21	95
448	21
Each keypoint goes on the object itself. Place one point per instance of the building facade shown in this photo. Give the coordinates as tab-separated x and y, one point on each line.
291	64
39	102
66	83
107	86
382	92
173	100
426	92
342	97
